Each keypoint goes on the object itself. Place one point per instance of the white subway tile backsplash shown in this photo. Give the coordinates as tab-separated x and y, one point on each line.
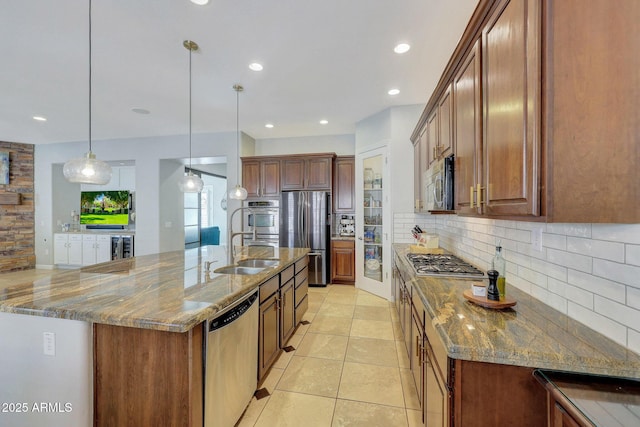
632	254
579	296
579	230
591	272
623	273
612	251
575	261
597	322
625	233
616	311
597	285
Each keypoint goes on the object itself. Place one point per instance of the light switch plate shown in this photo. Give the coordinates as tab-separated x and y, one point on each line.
536	239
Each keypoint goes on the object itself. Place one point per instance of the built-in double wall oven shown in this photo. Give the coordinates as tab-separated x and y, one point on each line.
261	223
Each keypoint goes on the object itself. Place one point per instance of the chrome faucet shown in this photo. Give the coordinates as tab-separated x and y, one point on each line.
233	234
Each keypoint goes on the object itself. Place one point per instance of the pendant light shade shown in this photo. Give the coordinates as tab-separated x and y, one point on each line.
190	183
239	192
87	169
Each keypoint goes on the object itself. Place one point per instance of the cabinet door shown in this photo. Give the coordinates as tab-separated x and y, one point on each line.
511	88
432	137
103	249
420	150
344	185
251	177
436	394
417	355
319	173
287	312
75	249
270	182
292	174
445	124
88	249
60	249
343	261
269	334
468	137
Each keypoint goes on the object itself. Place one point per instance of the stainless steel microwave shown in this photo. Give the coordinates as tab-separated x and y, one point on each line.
439	185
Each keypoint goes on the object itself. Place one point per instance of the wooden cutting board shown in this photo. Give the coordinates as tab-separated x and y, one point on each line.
506	302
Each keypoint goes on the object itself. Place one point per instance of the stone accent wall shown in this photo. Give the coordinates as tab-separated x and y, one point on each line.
17	222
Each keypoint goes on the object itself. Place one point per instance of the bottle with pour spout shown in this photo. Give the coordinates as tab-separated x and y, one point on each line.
498	264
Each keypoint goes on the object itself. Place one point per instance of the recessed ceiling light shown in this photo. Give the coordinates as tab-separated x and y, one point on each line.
255	66
324	122
268	125
140	110
394	91
40	118
401	48
200	2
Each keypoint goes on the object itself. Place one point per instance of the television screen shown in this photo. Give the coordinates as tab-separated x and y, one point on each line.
104	207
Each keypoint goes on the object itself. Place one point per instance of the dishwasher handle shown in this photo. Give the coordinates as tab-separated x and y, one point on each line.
233	314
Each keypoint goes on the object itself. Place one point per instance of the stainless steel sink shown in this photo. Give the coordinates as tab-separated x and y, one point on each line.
238	269
258	262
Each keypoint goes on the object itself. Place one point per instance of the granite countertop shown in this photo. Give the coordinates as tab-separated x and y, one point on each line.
530	334
169	291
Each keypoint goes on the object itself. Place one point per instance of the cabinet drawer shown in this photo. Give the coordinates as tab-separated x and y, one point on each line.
301	277
286	274
436	345
301	291
268	288
301	264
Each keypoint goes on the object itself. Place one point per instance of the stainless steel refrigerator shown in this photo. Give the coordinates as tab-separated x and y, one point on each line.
305	223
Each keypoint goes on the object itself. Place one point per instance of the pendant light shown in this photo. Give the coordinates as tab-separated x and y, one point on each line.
87	169
239	192
190	183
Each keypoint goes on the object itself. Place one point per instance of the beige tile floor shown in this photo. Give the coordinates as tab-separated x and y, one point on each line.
349	368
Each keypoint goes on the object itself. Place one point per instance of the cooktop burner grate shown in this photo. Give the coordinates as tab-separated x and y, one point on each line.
445	265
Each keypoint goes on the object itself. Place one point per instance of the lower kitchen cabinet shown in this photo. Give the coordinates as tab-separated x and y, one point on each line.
67	249
96	248
283	301
343	261
457	392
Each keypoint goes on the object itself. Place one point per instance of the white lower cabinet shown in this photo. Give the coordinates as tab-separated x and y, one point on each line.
81	249
95	249
67	249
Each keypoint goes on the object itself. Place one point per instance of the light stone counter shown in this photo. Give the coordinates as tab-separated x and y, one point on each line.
530	334
169	291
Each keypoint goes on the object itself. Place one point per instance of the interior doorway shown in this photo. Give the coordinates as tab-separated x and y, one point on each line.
205	213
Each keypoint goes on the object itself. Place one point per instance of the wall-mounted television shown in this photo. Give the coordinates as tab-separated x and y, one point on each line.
104	208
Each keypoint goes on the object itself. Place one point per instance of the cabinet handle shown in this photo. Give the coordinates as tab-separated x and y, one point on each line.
479	191
284	300
418	352
471	196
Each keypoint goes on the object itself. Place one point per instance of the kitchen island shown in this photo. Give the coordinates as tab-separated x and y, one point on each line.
140	331
484	359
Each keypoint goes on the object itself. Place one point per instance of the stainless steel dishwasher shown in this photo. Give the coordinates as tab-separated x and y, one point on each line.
231	362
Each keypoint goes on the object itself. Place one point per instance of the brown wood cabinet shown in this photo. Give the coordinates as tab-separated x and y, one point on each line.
420	148
511	86
343	261
261	177
557	134
467	103
311	172
147	377
344	175
268	334
432	137
458	392
445	125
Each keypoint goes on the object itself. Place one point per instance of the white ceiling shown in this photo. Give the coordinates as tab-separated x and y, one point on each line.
323	59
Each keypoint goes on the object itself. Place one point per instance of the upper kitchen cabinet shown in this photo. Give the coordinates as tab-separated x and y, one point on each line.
420	148
593	104
442	148
511	111
311	172
344	174
261	176
467	103
545	100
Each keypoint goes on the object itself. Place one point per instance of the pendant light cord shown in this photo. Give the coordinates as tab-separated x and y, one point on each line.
90	3
238	134
190	52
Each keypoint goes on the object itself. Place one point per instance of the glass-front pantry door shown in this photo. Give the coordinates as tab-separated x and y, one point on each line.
372	243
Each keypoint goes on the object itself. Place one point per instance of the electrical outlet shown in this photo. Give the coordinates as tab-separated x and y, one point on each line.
49	343
536	239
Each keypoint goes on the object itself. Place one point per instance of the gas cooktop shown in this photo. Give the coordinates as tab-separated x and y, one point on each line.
443	265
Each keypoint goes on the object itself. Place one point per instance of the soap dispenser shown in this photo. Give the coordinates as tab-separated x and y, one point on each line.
498	264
